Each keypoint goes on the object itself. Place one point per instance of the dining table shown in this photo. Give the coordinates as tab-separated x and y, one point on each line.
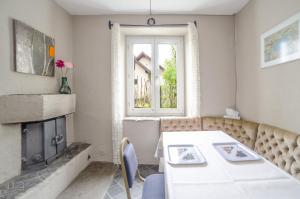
219	178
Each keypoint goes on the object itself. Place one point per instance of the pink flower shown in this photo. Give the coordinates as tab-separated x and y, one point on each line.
69	65
60	63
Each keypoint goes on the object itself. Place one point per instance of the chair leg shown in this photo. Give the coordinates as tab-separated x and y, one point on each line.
126	183
140	177
128	193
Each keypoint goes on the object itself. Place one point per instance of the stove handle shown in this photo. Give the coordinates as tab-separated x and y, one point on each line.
58	139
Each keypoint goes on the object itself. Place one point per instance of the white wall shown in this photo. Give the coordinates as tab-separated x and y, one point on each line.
91	42
49	18
270	95
143	134
10	151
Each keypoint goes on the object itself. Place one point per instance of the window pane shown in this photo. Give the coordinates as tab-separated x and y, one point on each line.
167	75
142	75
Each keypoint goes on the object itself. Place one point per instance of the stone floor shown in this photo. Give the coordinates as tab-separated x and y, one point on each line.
99	180
92	183
117	188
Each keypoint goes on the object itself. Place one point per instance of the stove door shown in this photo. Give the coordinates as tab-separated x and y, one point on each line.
32	143
61	134
49	139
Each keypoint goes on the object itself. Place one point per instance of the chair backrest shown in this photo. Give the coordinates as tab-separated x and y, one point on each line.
129	164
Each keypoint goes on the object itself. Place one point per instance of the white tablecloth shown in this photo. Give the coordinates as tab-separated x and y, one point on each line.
221	179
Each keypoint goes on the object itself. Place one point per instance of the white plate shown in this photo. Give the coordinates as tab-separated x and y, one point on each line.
185	154
236	152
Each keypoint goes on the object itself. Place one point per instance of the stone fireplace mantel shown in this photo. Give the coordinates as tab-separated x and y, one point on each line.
35	107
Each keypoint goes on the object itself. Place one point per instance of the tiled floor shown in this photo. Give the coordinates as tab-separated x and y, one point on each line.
117	188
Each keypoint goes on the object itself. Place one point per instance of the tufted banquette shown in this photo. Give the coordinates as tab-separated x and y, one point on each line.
180	124
276	145
295	168
280	147
243	131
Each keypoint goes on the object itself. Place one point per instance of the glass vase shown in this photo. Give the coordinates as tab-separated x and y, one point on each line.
64	88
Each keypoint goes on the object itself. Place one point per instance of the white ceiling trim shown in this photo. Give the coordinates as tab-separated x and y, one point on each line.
190	7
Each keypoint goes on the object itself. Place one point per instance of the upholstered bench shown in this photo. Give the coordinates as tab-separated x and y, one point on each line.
280	147
180	124
243	131
276	145
295	168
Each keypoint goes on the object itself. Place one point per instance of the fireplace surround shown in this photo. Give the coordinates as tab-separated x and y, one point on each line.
42	141
39	113
17	109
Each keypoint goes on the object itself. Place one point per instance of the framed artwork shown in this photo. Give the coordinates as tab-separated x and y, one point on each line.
34	51
281	44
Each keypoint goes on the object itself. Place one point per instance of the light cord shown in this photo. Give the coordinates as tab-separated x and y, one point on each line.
150	8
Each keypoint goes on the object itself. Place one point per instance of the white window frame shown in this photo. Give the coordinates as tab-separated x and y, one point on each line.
155	109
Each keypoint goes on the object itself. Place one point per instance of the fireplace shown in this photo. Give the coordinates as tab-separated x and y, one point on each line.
42	141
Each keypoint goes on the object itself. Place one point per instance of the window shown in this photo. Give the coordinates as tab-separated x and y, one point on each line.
155	76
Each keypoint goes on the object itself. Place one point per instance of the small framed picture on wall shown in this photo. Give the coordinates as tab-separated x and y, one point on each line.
281	44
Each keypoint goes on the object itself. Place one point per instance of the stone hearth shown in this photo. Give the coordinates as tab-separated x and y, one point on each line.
47	179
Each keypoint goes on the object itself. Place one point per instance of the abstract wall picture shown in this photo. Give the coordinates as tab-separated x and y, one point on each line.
34	51
282	43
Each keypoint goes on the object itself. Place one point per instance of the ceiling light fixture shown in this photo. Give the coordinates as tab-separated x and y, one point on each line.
150	20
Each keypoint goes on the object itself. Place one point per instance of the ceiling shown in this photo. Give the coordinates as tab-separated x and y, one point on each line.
107	7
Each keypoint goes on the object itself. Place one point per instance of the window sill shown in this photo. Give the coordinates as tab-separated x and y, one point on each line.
137	118
141	119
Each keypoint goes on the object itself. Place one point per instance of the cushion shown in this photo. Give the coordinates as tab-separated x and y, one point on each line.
295	168
131	163
243	131
180	124
277	145
154	187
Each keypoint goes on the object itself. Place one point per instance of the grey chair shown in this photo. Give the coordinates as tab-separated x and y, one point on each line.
154	185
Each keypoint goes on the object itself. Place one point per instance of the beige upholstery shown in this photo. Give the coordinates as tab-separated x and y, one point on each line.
278	146
295	168
180	124
243	131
